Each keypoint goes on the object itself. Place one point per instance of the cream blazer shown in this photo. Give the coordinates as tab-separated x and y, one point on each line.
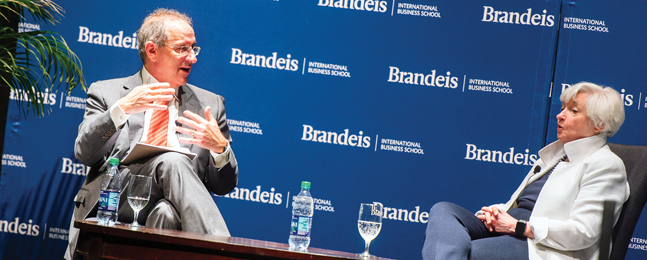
567	216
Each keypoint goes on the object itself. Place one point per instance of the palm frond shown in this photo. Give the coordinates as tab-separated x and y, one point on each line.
41	59
41	10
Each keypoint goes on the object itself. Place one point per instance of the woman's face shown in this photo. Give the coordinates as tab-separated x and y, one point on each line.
572	122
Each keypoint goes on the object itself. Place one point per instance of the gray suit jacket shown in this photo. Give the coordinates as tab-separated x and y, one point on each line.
99	139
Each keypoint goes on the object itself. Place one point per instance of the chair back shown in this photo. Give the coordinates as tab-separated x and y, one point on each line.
635	160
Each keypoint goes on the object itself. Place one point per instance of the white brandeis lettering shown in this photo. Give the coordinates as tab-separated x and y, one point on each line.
432	80
74	168
509	157
344	138
118	40
406	215
528	18
47	98
15	227
256	195
361	5
626	97
271	62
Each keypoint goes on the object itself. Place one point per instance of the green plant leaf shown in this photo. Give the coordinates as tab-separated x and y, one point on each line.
40	60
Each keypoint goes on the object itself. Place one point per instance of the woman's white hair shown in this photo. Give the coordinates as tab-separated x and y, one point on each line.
604	106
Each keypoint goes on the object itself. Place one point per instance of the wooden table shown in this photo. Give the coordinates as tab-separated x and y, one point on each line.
121	242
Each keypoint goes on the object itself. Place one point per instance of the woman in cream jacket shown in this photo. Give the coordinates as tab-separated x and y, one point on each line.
556	212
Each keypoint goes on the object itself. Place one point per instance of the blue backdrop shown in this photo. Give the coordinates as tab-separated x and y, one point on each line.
402	102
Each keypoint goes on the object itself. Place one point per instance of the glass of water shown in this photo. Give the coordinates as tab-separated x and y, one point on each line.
369	223
139	191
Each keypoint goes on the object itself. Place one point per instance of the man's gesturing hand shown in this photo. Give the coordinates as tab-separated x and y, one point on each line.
142	98
205	132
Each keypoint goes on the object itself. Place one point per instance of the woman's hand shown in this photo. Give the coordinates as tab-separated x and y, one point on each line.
498	221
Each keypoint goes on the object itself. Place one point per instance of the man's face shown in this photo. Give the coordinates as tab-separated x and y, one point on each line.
167	64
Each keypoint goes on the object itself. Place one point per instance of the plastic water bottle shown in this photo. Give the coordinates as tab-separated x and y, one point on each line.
302	210
109	198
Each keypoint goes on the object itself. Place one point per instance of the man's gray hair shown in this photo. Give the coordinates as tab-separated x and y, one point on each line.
604	106
154	28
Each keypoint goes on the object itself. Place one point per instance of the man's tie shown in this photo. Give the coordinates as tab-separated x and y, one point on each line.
158	127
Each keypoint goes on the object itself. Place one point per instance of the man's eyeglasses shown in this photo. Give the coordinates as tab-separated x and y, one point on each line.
184	50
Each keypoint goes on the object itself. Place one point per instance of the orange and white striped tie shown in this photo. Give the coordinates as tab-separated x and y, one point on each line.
158	127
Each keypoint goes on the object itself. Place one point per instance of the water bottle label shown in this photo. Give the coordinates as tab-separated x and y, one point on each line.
113	201
109	200
301	226
103	200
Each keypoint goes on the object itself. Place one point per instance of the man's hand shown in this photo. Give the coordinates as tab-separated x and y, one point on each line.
142	98
205	132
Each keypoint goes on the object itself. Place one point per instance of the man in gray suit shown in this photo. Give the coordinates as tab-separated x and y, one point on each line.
118	116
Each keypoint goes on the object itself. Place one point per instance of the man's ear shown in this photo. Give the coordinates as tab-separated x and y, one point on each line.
151	51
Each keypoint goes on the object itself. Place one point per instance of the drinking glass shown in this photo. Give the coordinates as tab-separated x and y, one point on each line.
369	223
139	191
